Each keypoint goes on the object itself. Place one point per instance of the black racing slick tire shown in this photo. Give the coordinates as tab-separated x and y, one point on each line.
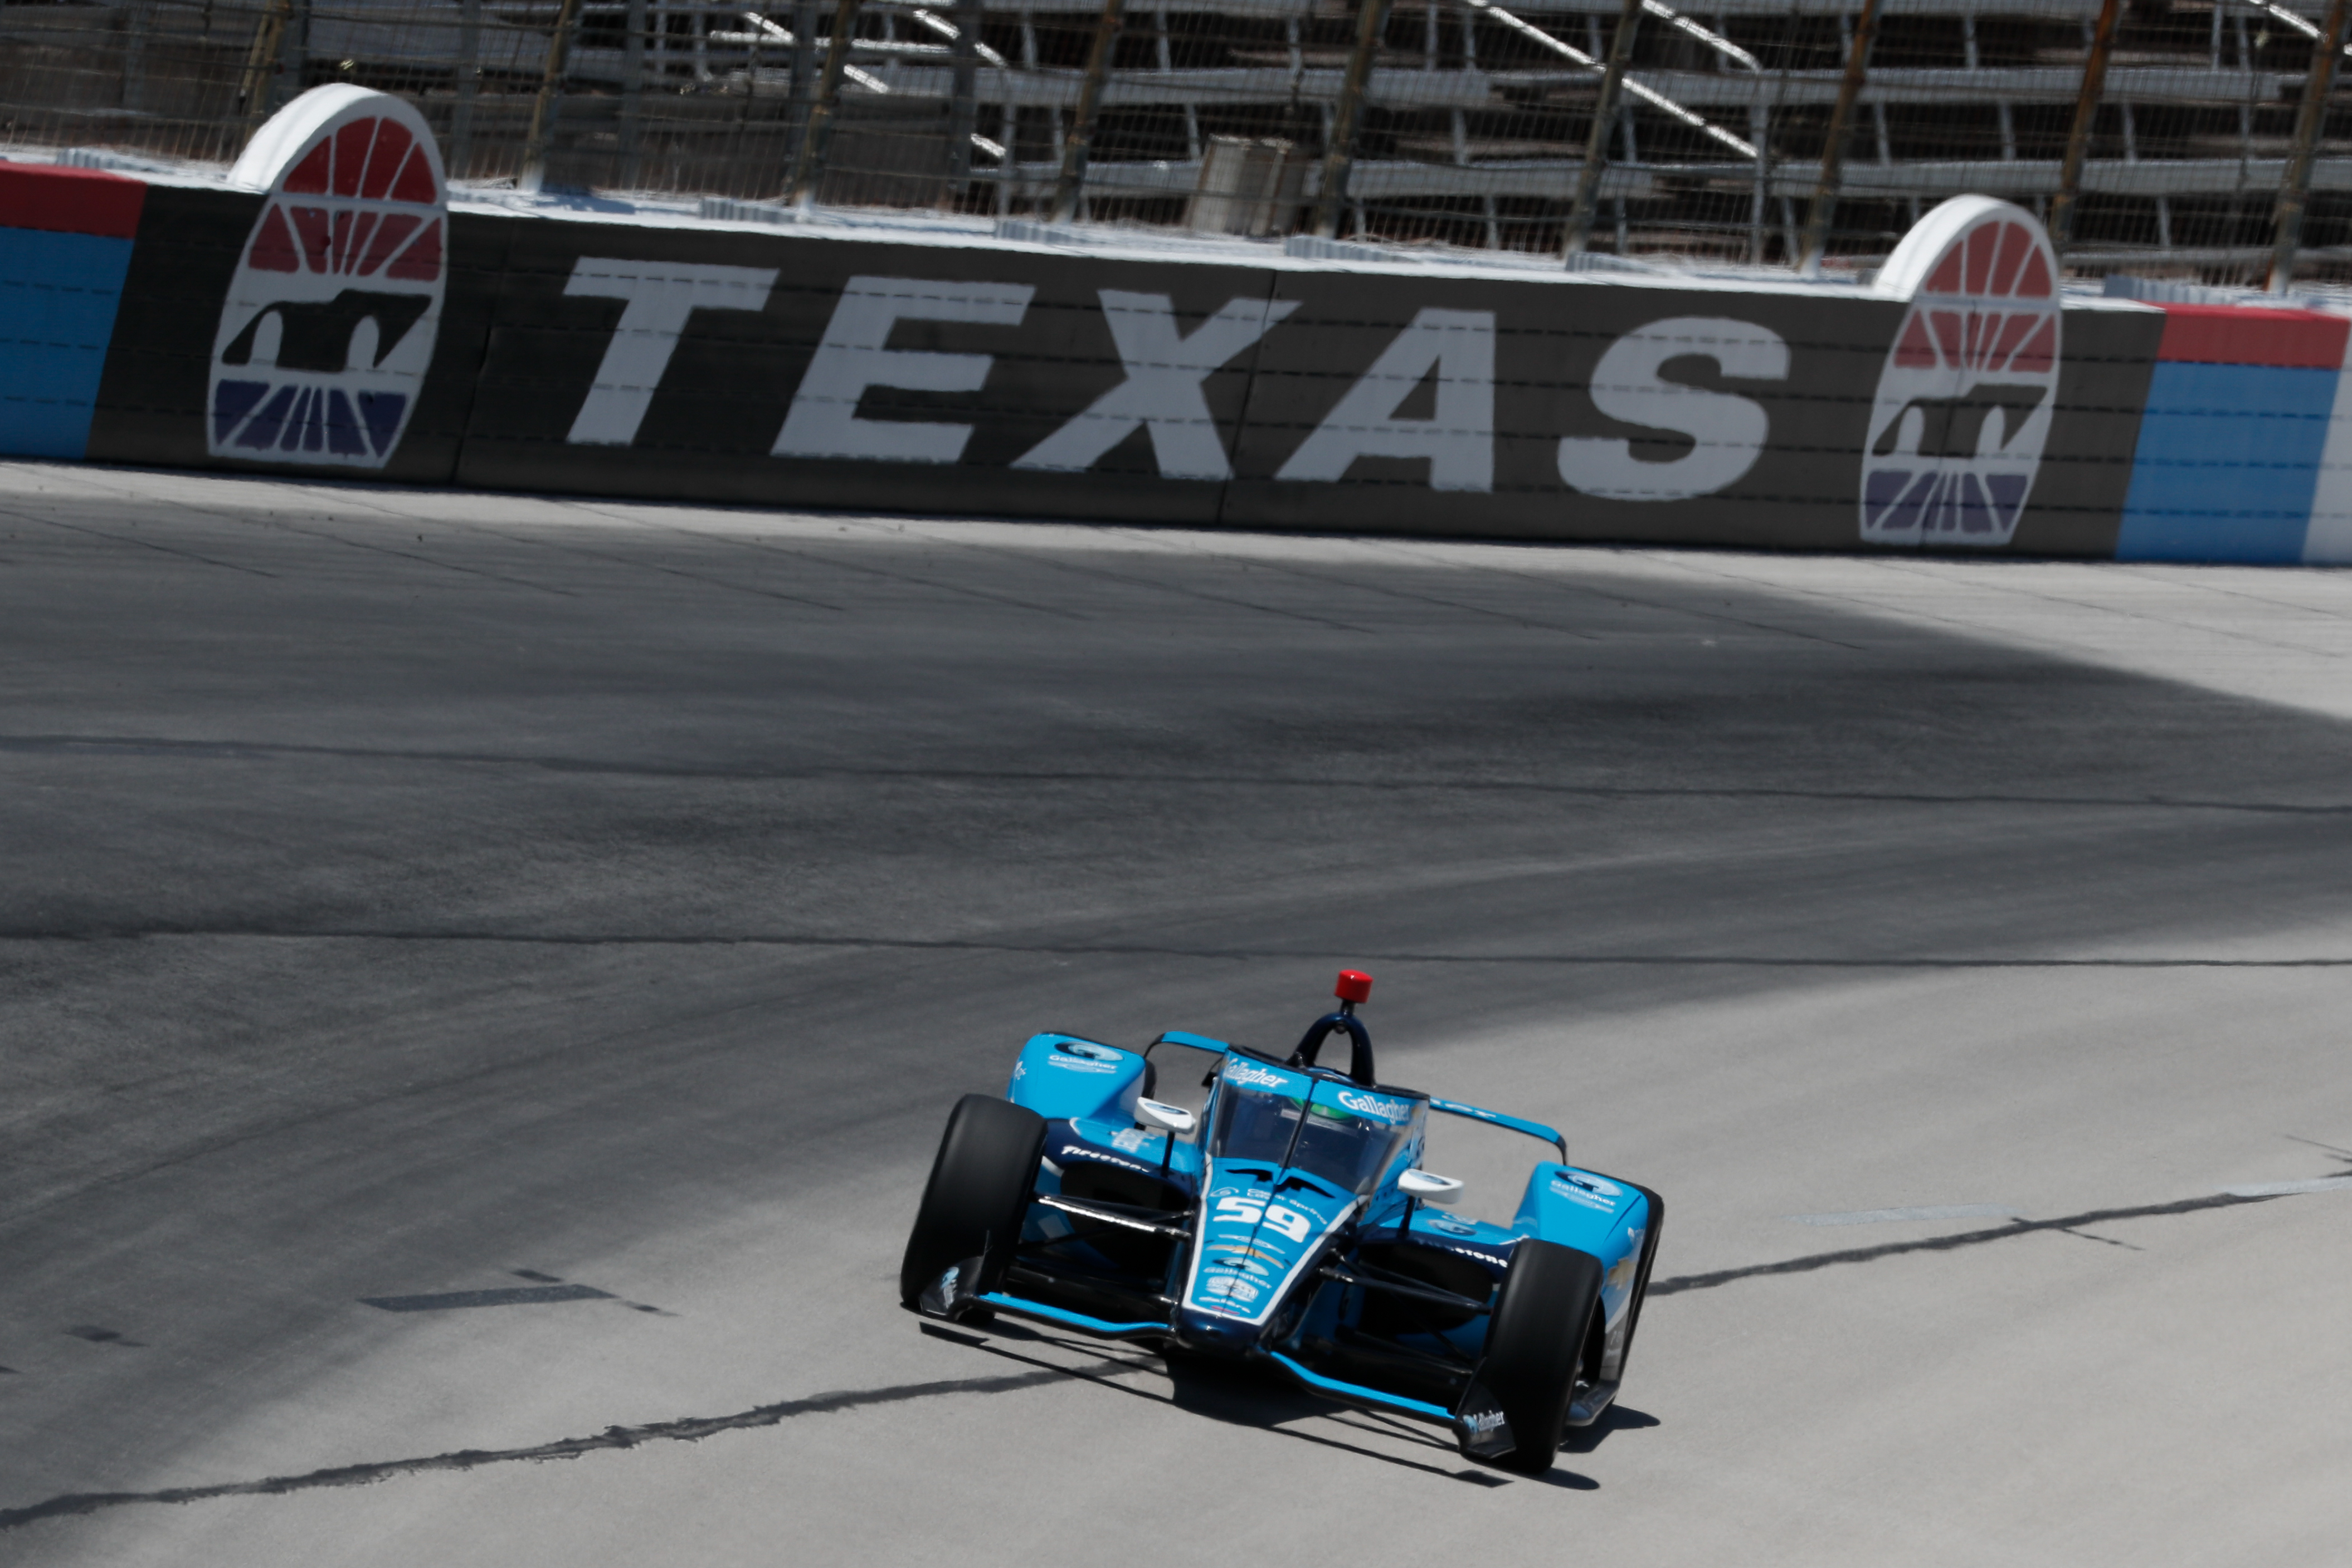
1535	1344
978	1193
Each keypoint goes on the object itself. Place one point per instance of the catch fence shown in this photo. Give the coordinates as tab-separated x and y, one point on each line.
2195	139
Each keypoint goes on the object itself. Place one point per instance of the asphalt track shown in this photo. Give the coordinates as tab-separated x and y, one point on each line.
423	894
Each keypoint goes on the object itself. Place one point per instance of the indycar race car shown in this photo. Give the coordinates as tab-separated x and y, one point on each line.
1287	1222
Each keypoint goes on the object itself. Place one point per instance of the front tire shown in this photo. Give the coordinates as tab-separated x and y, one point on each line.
1535	1343
978	1194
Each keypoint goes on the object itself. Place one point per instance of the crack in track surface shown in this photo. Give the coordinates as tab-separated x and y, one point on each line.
694	1428
2069	1223
687	1430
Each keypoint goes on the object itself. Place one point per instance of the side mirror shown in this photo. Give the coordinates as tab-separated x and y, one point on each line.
1168	1118
1429	1187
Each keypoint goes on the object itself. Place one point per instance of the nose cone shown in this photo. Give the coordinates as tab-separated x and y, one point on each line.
1199	1330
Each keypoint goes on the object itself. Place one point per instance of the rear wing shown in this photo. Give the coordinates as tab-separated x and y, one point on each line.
1499	1119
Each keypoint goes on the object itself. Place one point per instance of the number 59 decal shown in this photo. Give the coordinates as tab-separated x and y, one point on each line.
1280	1217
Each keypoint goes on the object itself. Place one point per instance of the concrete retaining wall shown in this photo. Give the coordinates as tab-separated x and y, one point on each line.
328	310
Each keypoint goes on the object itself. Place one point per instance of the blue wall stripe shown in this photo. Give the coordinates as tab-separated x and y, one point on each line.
58	298
2227	461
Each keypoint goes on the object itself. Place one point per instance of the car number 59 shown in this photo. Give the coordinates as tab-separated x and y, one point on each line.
1279	1216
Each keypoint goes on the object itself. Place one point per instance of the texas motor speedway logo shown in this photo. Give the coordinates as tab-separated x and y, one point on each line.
329	320
1964	403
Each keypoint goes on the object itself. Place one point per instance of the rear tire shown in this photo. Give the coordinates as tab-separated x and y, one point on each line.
978	1193
1535	1344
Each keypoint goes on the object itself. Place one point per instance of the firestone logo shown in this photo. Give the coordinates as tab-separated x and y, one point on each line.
330	318
1964	403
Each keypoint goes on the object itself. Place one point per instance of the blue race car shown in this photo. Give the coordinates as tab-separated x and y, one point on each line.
1287	1222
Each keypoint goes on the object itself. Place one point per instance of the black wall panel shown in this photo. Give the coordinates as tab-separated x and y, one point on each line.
2077	503
732	378
1549	337
1781	380
151	400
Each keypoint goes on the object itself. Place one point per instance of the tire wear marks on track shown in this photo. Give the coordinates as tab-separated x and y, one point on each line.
262	750
98	1336
512	1296
141	543
167	930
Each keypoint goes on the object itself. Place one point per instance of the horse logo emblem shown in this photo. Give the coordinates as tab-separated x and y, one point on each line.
330	318
1964	403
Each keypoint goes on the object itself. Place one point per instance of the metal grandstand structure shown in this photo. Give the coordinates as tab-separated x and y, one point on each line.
2188	138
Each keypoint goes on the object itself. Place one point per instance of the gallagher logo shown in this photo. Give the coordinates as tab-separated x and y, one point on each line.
329	320
1371	1105
1964	403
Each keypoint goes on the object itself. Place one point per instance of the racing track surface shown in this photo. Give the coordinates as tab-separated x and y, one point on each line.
415	893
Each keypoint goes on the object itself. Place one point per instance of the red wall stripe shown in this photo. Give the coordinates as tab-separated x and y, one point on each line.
2231	335
69	200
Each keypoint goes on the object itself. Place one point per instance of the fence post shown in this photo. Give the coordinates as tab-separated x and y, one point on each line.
254	89
293	56
2078	137
468	84
633	89
2326	50
804	69
750	98
1587	199
545	108
1079	144
139	22
1825	191
1340	155
964	110
808	161
1759	131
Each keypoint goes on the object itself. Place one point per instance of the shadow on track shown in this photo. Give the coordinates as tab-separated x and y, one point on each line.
1616	1418
1242	1396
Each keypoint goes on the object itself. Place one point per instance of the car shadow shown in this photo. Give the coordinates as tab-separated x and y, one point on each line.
1616	1418
1238	1394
